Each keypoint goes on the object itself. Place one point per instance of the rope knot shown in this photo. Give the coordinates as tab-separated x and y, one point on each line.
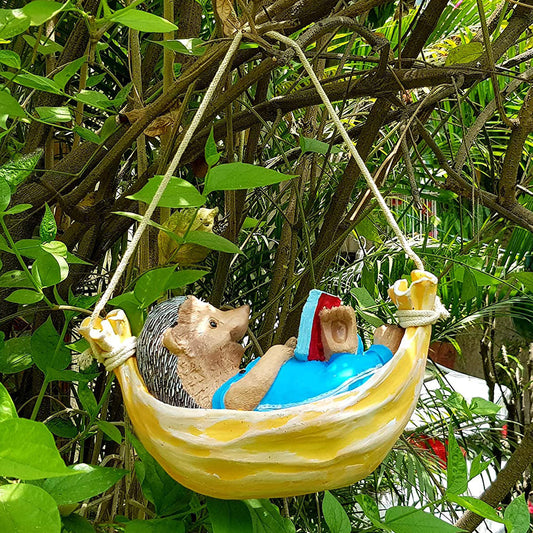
111	341
413	317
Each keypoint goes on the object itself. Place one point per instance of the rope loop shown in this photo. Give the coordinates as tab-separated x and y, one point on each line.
408	318
111	360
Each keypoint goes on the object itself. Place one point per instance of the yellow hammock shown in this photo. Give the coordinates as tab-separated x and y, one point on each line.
322	445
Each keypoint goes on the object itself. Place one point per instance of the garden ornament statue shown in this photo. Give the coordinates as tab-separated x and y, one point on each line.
189	355
323	444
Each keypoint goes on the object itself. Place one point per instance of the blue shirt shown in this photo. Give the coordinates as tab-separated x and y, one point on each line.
301	382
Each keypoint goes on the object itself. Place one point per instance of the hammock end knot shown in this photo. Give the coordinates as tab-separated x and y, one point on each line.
110	339
418	304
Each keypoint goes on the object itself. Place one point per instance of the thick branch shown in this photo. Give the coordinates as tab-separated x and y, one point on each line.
513	155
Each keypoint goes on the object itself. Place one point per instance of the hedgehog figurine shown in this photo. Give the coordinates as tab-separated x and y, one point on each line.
189	355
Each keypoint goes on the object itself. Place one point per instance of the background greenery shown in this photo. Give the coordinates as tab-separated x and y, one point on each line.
95	99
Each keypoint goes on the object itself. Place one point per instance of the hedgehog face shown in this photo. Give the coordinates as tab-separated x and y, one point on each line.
203	331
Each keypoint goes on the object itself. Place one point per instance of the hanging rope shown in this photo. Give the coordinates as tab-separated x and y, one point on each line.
351	147
166	178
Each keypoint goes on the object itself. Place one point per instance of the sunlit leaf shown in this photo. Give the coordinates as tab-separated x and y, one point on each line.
464	53
10	58
15	355
7	407
194	46
24	297
334	514
410	520
40	11
28	451
10	106
142	21
235	176
27	508
178	193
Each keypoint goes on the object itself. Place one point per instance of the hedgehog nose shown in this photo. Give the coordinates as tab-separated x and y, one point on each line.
239	322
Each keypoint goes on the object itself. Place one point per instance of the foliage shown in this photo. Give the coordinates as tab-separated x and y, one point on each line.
95	100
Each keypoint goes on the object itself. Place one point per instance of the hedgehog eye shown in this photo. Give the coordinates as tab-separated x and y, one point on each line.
213	323
174	324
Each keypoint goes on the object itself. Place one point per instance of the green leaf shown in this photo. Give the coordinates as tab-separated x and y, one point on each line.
480	406
229	516
211	241
193	47
62	428
87	399
464	53
68	71
363	297
15	355
28	509
5	194
87	135
57	248
24	297
44	47
13	22
10	106
235	176
85	481
92	81
32	81
368	280
40	11
28	451
517	516
525	278
10	59
478	466
158	487
7	407
456	472
122	96
367	229
469	288
178	193
409	520
476	506
318	147
266	517
74	523
335	515
15	278
47	348
48	227
132	307
152	284
110	125
182	278
16	209
54	114
211	152
18	169
142	21
93	98
251	223
156	525
50	269
370	508
110	430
